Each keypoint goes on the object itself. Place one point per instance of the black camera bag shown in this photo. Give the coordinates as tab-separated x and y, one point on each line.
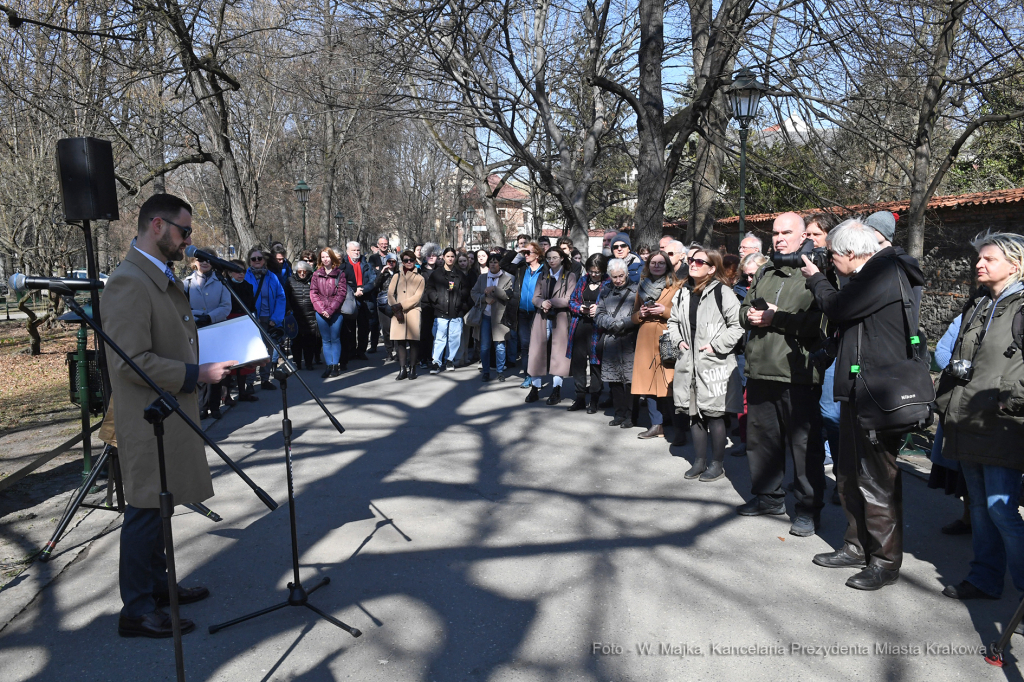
896	399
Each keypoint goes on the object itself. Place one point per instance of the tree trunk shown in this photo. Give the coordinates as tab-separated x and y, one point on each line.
650	204
707	173
481	177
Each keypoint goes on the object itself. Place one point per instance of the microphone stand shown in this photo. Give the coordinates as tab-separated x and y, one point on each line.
297	594
292	370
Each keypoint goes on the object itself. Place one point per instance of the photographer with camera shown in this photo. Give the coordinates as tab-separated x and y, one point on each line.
269	308
783	387
981	404
876	330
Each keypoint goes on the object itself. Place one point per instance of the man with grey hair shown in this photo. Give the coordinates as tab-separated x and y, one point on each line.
783	387
869	310
750	244
360	277
606	243
677	255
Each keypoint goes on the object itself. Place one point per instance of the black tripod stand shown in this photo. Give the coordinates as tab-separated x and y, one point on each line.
297	594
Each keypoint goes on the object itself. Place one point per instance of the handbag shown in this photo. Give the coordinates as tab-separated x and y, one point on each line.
896	399
348	306
669	351
475	316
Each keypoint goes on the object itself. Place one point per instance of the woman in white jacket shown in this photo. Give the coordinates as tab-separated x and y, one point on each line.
705	326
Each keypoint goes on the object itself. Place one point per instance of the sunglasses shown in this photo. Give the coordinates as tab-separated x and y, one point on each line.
256	259
185	231
617	247
202	260
407	260
699	261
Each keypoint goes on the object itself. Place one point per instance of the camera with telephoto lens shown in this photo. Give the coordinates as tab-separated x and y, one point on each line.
961	370
818	256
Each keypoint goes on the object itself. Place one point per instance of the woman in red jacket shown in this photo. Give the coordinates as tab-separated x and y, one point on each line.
327	292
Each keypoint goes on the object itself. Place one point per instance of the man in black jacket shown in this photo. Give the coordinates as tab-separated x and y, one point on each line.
868	309
355	329
447	292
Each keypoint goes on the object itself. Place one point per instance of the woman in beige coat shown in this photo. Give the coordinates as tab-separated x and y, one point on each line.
651	310
404	294
551	325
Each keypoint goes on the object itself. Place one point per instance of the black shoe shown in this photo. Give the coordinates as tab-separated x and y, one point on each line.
215	413
556	396
156	625
605	404
617	421
204	414
966	590
577	404
485	378
372	350
229	401
404	374
758	508
501	376
873	578
412	373
699	466
361	356
267	386
534	395
186	595
450	366
592	405
627	424
436	368
248	398
327	372
714	472
804	525
336	372
343	367
958	527
839	559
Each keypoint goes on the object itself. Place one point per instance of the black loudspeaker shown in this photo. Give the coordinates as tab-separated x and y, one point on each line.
86	169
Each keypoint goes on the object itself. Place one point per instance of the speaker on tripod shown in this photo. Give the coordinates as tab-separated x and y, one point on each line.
86	169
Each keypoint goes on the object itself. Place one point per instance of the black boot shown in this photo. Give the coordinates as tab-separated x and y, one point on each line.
714	471
698	468
533	396
327	372
592	407
556	396
412	372
404	374
577	404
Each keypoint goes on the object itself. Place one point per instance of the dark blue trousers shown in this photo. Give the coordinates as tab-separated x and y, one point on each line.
143	565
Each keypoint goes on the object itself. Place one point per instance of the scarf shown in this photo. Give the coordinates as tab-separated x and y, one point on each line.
358	270
652	288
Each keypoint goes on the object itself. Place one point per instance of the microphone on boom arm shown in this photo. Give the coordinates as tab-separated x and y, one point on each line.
20	282
192	252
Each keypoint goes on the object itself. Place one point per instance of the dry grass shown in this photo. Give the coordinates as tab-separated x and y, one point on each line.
34	389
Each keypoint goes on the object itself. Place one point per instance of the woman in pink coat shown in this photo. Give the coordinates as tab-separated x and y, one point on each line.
327	291
549	333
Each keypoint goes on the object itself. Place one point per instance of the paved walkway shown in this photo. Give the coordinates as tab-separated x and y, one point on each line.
472	537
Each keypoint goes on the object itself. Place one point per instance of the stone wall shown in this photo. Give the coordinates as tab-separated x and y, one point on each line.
949	282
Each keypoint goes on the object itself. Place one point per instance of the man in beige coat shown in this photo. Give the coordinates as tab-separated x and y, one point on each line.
147	314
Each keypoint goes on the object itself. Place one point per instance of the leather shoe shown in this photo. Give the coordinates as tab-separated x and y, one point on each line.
758	508
534	395
958	527
714	472
699	466
617	421
656	431
186	595
556	396
966	590
577	405
838	559
873	578
156	625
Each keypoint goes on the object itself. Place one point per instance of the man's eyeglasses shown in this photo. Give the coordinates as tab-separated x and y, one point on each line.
408	260
185	231
618	247
671	253
256	259
202	260
699	261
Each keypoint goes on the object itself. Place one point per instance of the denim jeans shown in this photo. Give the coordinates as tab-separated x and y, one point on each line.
830	413
447	334
996	526
330	332
519	338
485	347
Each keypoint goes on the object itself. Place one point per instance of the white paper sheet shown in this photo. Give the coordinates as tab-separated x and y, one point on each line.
236	339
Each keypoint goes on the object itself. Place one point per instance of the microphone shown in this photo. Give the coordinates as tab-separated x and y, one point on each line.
192	252
20	282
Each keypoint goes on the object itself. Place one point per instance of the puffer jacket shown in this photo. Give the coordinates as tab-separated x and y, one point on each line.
617	344
719	386
208	296
447	293
327	291
296	293
975	429
781	351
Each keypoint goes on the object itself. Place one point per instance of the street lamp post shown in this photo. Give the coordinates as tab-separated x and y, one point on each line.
339	220
454	221
302	192
744	95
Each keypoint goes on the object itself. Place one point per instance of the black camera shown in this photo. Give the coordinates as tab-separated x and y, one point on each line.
826	355
961	370
818	256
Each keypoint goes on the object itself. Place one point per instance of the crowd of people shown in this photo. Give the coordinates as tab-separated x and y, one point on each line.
733	352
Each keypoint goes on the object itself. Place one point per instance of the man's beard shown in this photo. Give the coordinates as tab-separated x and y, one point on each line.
607	252
166	246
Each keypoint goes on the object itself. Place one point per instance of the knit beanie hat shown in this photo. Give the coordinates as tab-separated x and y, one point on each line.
884	222
622	237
